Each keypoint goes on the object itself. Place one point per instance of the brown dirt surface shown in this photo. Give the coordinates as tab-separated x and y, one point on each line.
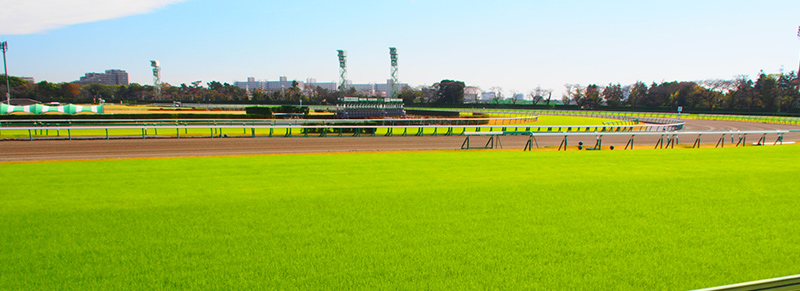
42	150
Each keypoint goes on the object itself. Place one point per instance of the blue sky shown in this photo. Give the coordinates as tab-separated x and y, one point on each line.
516	45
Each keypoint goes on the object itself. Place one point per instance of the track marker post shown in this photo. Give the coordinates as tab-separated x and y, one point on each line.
563	143
630	142
660	142
780	139
742	139
762	140
598	145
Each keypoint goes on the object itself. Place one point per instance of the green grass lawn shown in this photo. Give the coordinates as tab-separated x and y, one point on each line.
642	220
570	120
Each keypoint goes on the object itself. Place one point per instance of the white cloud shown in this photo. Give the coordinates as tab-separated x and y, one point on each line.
32	16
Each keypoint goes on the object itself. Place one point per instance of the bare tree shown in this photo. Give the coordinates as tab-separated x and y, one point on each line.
574	92
498	94
719	85
718	88
538	95
514	93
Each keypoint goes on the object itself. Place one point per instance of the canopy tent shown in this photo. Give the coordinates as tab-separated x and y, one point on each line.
40	109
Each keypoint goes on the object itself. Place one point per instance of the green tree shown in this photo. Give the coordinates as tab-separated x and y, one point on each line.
766	89
92	92
592	96
410	96
260	95
70	91
450	92
214	85
716	92
13	81
294	94
788	92
134	92
638	93
613	95
47	91
743	94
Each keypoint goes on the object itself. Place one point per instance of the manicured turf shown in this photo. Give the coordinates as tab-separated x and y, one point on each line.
570	120
645	219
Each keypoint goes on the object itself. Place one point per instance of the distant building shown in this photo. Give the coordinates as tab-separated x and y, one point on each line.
28	79
487	96
370	89
373	89
110	77
313	84
283	83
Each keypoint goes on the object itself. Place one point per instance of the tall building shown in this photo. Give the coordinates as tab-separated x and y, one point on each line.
110	77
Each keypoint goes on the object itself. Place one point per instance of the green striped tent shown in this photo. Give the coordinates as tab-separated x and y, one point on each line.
39	108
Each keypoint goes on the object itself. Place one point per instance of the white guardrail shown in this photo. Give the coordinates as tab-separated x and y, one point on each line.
774	284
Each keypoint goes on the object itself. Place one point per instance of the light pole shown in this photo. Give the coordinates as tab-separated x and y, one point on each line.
4	47
798	36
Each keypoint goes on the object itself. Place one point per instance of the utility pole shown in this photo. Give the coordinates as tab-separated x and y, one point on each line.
798	69
4	47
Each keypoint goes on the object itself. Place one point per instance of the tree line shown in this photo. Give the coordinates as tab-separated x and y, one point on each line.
769	93
213	92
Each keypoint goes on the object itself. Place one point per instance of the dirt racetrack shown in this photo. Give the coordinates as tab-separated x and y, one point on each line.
172	147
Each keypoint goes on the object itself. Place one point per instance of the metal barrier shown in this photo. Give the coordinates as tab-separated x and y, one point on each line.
289	129
493	142
640	114
200	121
775	284
667	139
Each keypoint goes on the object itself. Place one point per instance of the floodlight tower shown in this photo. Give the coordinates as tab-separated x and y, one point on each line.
4	48
393	56
156	78
342	70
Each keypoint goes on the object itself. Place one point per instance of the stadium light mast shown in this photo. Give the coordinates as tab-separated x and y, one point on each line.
342	70
156	78
393	56
4	47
